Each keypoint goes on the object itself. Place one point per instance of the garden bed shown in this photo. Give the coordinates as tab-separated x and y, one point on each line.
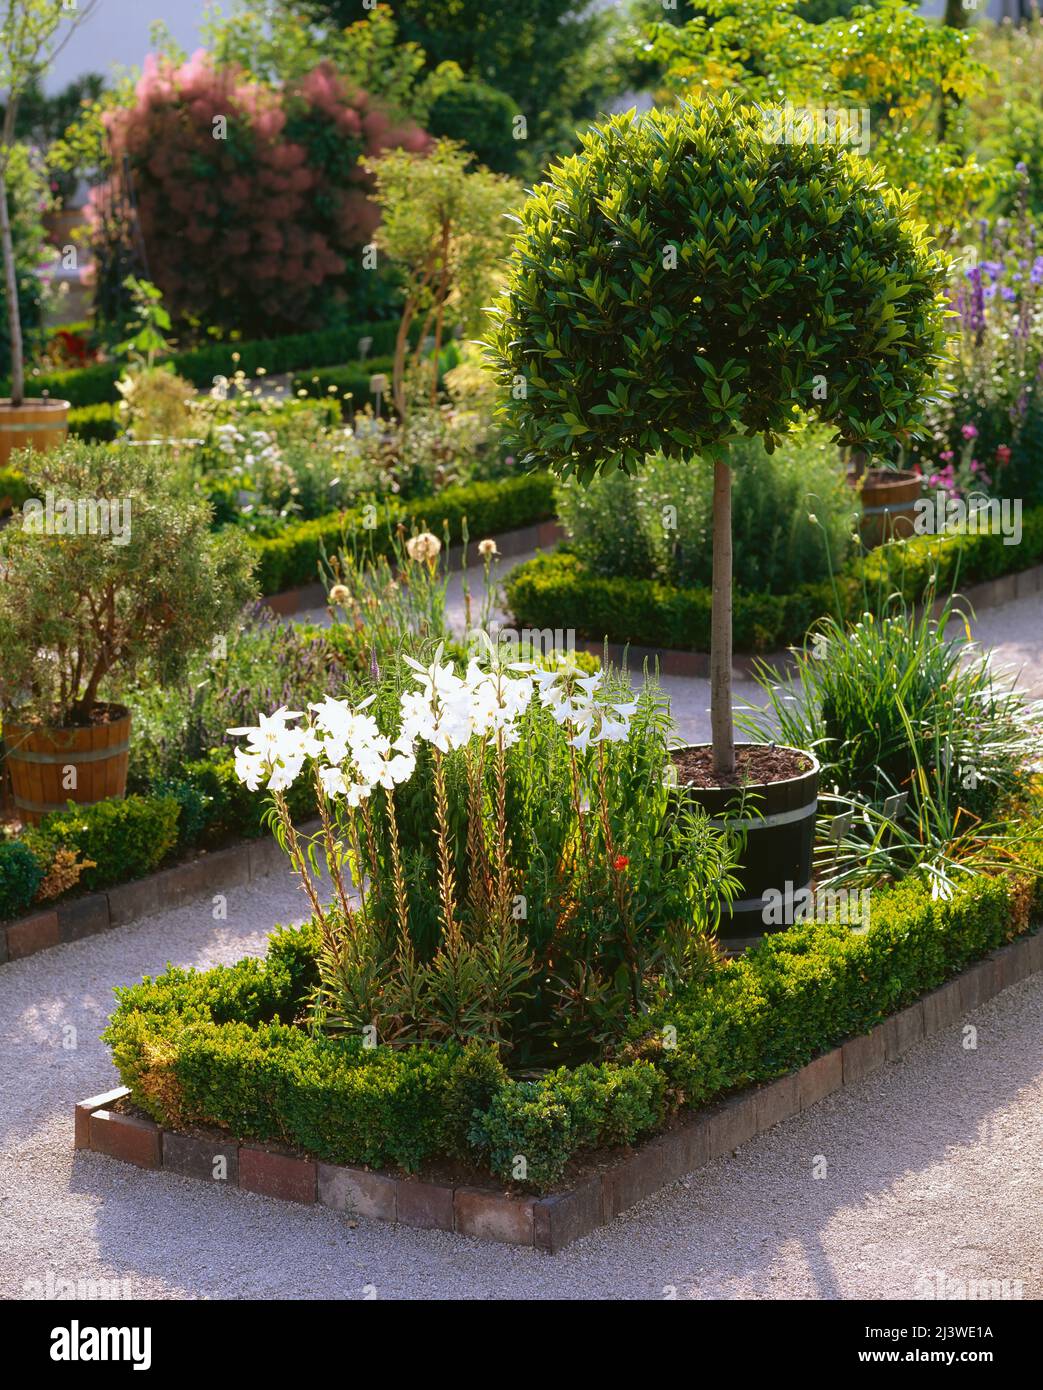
596	1190
556	589
89	914
743	1044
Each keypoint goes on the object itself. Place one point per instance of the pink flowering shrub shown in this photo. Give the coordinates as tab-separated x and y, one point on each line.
252	201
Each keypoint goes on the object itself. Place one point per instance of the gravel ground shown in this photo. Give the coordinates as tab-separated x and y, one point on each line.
1013	631
931	1165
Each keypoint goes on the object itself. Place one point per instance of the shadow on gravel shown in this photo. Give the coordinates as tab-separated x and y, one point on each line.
725	1225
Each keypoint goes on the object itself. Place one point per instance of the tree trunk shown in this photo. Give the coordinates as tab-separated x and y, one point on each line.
723	733
443	290
398	370
11	285
956	17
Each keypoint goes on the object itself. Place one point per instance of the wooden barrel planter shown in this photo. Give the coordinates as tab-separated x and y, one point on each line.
40	425
778	821
39	760
889	497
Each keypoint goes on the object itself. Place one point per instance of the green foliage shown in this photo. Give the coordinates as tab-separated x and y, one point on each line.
20	875
155	588
344	383
95	424
13	488
547	1121
216	1046
658	525
149	322
293	557
444	226
1004	122
907	72
294	352
547	590
478	116
554	61
27	196
554	587
263	663
126	839
568	916
882	698
804	990
795	266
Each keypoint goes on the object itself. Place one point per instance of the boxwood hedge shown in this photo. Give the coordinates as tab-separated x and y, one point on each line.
292	557
555	590
221	1046
96	384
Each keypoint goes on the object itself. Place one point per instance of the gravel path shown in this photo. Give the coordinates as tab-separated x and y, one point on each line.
932	1165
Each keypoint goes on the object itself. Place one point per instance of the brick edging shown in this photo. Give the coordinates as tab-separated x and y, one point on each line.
124	903
551	1223
539	535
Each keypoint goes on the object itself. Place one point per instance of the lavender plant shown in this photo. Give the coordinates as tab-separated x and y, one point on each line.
985	426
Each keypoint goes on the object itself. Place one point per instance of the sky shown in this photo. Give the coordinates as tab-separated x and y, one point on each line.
117	32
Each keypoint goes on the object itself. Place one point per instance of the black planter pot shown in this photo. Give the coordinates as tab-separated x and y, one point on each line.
778	819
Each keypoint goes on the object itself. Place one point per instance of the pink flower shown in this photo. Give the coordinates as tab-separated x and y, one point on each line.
969	431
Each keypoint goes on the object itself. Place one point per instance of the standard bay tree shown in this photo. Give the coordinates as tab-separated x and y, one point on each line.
685	280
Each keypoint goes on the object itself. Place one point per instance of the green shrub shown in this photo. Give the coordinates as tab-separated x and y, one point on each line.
96	384
545	1122
292	557
802	991
21	874
553	590
351	380
13	487
233	812
126	839
657	524
557	589
95	422
164	583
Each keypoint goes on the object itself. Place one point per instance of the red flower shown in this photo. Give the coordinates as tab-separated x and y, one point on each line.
620	863
1003	455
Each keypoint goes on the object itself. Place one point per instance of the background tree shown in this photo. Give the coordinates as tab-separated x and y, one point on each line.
553	58
684	281
32	32
905	69
445	226
251	197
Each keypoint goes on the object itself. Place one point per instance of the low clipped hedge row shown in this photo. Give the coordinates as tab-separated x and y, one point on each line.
205	808
484	508
221	1046
96	384
555	590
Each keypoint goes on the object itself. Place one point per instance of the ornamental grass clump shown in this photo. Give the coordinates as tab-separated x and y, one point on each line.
686	280
505	860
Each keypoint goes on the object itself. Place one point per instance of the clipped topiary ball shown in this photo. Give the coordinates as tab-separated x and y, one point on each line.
684	280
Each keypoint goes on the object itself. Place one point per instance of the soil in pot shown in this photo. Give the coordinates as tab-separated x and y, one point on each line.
772	799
